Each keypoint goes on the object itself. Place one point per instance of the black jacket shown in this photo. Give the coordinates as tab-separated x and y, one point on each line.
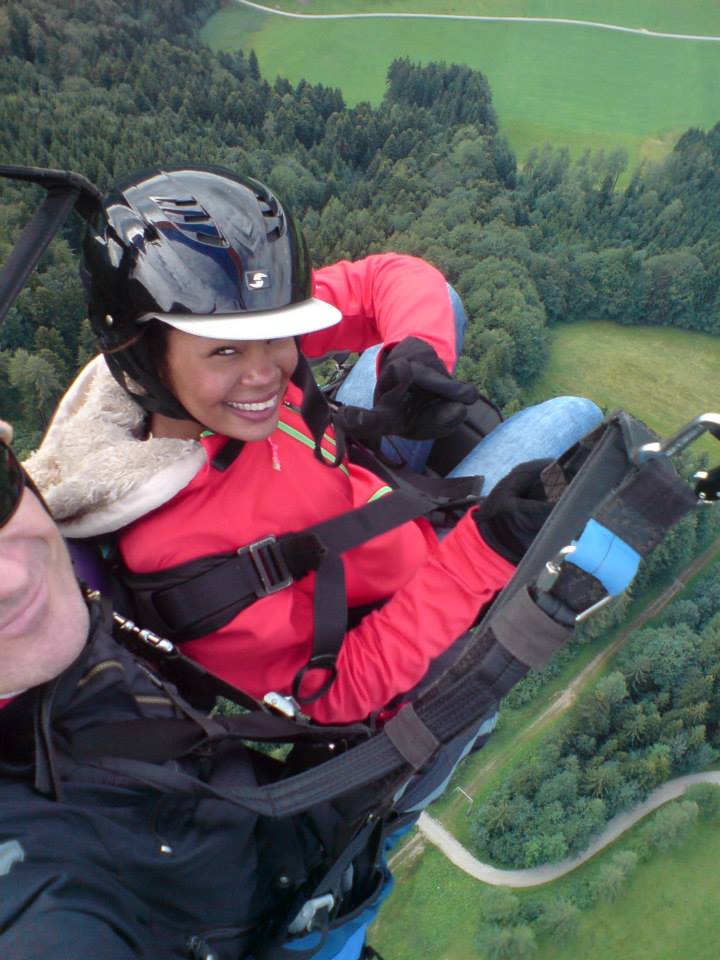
95	865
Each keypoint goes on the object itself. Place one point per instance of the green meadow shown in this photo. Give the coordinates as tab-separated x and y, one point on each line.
694	16
662	375
667	909
575	86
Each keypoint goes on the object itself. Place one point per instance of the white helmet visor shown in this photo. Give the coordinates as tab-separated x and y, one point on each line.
290	321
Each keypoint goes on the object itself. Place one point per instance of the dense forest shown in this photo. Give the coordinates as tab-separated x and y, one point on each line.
105	88
656	716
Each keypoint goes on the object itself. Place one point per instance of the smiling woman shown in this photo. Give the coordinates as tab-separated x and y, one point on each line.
205	306
232	387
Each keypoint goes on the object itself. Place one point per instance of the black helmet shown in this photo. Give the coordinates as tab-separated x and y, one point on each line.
203	250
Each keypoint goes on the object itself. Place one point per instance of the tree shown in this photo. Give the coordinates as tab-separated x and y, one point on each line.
608	883
506	943
499	906
671	824
559	919
707	798
39	380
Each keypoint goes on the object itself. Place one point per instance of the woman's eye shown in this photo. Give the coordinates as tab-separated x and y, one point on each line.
225	352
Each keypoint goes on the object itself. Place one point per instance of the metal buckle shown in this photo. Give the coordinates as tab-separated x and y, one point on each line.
547	578
551	571
287	707
271	568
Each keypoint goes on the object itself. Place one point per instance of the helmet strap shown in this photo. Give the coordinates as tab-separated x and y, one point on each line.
153	396
316	412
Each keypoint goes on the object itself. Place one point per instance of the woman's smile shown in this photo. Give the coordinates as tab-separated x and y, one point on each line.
255	409
232	387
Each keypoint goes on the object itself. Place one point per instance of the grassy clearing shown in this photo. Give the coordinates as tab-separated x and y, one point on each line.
668	909
575	86
662	375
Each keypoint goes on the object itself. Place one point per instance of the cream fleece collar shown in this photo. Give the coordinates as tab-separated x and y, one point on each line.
94	471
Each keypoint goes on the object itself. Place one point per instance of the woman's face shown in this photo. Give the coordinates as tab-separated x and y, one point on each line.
232	387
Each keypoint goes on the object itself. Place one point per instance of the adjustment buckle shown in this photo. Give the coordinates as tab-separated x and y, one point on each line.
547	578
269	564
551	571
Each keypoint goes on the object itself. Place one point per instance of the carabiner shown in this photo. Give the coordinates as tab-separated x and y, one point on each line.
704	423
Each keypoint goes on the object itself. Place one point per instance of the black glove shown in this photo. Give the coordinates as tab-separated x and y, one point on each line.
516	509
415	397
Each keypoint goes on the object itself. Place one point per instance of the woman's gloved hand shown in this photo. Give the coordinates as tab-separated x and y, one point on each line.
515	510
415	397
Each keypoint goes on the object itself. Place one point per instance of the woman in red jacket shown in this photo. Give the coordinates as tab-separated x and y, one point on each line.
204	304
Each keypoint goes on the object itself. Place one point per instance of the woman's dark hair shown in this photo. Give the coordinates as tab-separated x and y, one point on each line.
155	335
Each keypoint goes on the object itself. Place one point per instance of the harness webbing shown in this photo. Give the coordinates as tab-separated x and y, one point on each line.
638	499
193	599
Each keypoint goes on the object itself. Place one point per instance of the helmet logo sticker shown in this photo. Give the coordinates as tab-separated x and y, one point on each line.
257	279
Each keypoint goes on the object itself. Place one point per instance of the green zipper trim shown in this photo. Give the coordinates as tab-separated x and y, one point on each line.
382	492
296	435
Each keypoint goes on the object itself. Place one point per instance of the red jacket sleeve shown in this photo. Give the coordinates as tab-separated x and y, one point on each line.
383	299
391	649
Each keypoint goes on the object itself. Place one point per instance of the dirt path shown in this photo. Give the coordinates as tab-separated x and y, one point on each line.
557	21
434	831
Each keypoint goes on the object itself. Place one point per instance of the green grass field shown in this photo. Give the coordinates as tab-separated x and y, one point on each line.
663	375
575	86
667	910
694	16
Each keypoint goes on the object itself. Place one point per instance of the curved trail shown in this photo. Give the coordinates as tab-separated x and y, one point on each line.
434	831
556	21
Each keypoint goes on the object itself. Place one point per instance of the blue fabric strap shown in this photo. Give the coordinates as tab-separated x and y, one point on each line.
603	554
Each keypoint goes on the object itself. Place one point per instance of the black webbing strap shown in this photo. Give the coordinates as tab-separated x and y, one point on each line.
646	505
470	689
156	740
193	599
527	632
411	737
65	190
227	455
374	764
316	412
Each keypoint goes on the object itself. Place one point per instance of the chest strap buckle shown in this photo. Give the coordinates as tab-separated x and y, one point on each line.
269	563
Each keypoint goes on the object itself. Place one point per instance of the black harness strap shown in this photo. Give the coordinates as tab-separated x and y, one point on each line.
225	457
528	633
193	599
487	669
316	411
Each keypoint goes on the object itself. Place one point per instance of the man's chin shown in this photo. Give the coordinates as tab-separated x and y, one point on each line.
63	638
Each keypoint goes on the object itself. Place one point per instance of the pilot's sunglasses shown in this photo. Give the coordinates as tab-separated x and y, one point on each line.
12	483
